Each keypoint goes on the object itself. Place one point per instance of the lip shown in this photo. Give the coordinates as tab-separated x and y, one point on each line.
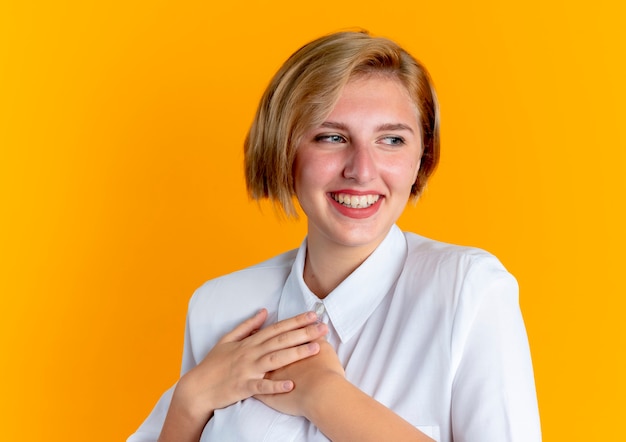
357	192
356	213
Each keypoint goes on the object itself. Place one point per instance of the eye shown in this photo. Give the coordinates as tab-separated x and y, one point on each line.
393	140
330	138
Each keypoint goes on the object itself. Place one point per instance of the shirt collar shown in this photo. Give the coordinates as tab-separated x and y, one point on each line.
356	298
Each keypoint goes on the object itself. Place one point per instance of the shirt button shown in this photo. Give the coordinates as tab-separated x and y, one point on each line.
319	310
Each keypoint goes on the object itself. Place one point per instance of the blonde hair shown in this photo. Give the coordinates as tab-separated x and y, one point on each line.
305	90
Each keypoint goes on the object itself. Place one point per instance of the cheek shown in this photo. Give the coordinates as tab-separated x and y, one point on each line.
405	172
307	175
301	165
416	170
300	183
316	170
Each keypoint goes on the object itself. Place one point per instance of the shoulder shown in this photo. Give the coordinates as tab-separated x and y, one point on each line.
238	285
456	261
220	304
238	295
461	284
456	279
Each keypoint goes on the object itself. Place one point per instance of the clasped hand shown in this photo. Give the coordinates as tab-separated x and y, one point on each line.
310	377
249	362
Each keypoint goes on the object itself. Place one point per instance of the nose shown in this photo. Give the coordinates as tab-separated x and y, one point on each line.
360	164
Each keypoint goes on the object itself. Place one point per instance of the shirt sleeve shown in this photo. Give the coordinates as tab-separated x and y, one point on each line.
150	429
493	393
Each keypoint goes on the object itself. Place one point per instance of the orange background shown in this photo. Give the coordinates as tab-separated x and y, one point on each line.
121	125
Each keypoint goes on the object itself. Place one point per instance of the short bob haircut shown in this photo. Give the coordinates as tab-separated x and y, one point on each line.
304	92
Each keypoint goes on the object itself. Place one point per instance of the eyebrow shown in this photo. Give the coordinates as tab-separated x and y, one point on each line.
381	128
395	127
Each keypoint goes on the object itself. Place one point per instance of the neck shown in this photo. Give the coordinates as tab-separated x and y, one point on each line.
327	265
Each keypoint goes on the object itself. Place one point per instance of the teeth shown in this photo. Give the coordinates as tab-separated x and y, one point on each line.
355	201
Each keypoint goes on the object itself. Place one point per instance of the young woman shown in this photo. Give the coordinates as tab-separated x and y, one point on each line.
364	333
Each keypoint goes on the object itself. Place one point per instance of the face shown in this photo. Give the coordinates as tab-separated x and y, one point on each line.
353	173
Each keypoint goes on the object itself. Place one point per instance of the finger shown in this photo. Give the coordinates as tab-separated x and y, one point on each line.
299	336
284	326
246	328
281	358
267	386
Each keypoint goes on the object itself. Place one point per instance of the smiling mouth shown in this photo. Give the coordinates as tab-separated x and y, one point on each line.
355	201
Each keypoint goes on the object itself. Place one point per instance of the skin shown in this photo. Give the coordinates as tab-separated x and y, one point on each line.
340	410
236	368
370	144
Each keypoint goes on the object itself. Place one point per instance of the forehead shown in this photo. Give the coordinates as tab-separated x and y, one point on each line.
375	97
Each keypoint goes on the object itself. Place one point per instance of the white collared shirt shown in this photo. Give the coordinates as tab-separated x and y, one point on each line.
431	330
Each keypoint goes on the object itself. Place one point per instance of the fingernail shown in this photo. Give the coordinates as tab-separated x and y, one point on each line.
287	385
311	316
